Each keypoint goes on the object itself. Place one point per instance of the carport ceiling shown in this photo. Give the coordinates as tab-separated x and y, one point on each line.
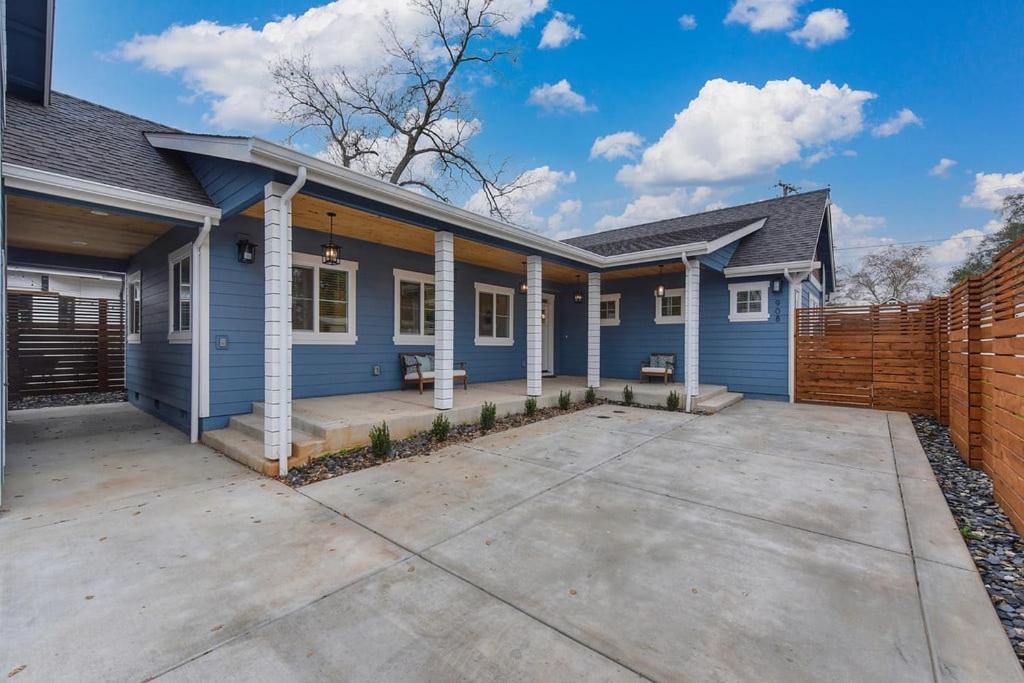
66	228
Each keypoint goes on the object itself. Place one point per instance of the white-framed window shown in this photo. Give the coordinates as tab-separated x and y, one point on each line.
494	315
610	309
748	302
414	308
133	307
323	301
179	283
671	308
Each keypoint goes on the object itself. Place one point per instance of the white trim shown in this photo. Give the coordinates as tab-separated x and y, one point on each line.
691	333
795	293
771	268
315	337
400	339
285	160
660	319
611	322
197	324
482	287
735	288
179	336
67	187
548	334
816	282
136	279
593	330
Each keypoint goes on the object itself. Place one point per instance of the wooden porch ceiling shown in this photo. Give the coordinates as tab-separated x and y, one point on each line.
34	223
311	212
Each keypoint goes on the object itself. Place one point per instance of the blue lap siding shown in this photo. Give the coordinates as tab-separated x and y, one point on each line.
158	373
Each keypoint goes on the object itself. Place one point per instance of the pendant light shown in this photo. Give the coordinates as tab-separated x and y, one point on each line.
577	296
330	253
522	283
659	291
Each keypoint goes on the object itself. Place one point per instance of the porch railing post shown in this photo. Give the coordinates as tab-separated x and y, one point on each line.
691	332
594	330
534	326
444	319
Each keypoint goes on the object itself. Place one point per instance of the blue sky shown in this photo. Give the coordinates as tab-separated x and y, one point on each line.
955	67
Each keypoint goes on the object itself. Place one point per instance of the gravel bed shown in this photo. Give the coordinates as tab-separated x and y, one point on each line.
996	548
337	464
56	400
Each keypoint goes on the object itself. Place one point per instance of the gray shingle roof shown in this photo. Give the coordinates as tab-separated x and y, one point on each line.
85	140
790	232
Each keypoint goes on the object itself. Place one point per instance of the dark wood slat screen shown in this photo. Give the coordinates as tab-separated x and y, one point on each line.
62	344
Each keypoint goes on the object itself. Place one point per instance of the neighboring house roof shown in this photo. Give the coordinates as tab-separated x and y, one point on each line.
790	232
76	138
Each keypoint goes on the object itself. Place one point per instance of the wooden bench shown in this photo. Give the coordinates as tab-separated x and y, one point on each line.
658	365
418	369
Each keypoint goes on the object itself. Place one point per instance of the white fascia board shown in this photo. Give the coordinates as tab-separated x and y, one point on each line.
724	240
772	268
220	146
91	192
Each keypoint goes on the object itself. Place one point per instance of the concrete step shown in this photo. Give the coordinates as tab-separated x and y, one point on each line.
720	401
241	447
304	444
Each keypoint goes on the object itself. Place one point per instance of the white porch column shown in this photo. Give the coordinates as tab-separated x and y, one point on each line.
534	326
277	325
444	318
691	349
594	330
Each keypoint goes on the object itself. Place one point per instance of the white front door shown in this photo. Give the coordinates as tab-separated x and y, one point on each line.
547	315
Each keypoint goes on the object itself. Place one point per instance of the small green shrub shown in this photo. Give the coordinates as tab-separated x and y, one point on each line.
673	400
531	406
591	395
488	416
627	395
441	427
380	440
564	399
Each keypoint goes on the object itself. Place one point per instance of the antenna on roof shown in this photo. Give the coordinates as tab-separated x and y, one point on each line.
787	188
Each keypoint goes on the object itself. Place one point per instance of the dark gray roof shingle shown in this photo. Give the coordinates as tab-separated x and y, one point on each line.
85	140
790	232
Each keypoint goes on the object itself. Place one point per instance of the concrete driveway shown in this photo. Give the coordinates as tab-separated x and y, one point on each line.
770	541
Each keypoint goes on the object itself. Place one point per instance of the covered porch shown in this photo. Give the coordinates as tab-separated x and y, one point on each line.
328	424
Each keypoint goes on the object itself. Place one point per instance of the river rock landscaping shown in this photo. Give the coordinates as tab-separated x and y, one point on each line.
59	400
997	549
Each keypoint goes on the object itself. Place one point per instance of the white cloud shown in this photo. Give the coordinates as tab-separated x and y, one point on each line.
537	186
764	15
559	31
688	22
941	169
562	223
991	188
227	65
616	145
822	27
849	152
900	120
854	233
819	156
651	207
559	97
736	131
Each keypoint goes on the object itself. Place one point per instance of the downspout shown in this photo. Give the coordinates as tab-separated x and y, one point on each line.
197	324
286	329
793	281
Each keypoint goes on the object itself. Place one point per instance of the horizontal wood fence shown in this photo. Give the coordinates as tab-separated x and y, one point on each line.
63	344
959	358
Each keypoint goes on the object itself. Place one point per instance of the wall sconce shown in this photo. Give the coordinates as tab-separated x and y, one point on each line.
577	296
659	291
246	250
330	253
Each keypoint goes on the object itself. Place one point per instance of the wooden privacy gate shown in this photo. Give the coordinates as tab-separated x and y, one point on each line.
63	344
884	357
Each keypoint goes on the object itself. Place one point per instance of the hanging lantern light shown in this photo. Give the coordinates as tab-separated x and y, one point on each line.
330	253
659	291
577	296
522	283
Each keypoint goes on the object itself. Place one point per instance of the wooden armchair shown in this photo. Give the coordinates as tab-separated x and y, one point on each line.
658	365
418	369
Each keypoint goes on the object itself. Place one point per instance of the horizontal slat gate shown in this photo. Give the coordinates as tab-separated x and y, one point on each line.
63	344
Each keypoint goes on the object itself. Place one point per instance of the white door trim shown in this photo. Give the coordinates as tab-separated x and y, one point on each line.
549	335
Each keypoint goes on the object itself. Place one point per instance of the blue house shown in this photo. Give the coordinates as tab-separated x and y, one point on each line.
256	274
